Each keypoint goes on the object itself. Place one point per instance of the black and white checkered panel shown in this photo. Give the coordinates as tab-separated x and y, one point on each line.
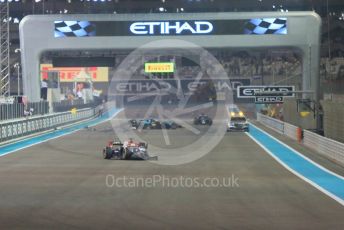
266	26
74	29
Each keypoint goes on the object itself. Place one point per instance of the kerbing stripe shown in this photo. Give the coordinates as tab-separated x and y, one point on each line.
332	185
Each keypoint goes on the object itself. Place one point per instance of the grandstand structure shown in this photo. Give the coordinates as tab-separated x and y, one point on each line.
269	66
5	83
238	63
332	18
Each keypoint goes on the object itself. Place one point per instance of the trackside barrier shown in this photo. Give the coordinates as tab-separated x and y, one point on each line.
291	131
24	127
324	146
272	123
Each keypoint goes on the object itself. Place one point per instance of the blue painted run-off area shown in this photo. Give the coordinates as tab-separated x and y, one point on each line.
54	134
332	183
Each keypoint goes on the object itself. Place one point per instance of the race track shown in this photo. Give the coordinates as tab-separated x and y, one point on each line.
61	184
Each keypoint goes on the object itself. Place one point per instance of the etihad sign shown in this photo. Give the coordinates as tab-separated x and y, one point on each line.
171	27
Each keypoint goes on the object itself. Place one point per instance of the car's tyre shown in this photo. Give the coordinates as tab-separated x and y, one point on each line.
107	153
121	153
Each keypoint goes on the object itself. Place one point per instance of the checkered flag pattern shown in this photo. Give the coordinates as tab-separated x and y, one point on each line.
266	26
74	29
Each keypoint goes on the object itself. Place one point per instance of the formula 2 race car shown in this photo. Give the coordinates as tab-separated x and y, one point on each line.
150	124
153	124
203	120
134	124
129	150
170	125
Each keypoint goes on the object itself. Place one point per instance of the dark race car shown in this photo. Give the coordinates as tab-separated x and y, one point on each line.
203	120
238	124
134	124
170	125
150	124
114	149
153	124
129	150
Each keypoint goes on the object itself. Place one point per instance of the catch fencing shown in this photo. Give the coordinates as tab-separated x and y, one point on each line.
16	110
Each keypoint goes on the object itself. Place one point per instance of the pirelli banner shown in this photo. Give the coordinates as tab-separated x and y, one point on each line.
70	74
161	67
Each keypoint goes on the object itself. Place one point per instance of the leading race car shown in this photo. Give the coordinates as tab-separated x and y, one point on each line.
203	120
129	150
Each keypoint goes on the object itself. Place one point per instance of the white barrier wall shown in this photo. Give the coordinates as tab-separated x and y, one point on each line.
327	147
272	123
24	127
290	131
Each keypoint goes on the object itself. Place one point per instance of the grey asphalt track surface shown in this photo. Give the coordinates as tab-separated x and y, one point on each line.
61	184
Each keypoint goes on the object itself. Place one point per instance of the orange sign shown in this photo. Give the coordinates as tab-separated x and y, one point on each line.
68	74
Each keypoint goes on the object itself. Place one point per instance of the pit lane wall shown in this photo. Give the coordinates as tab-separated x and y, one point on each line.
329	148
10	130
